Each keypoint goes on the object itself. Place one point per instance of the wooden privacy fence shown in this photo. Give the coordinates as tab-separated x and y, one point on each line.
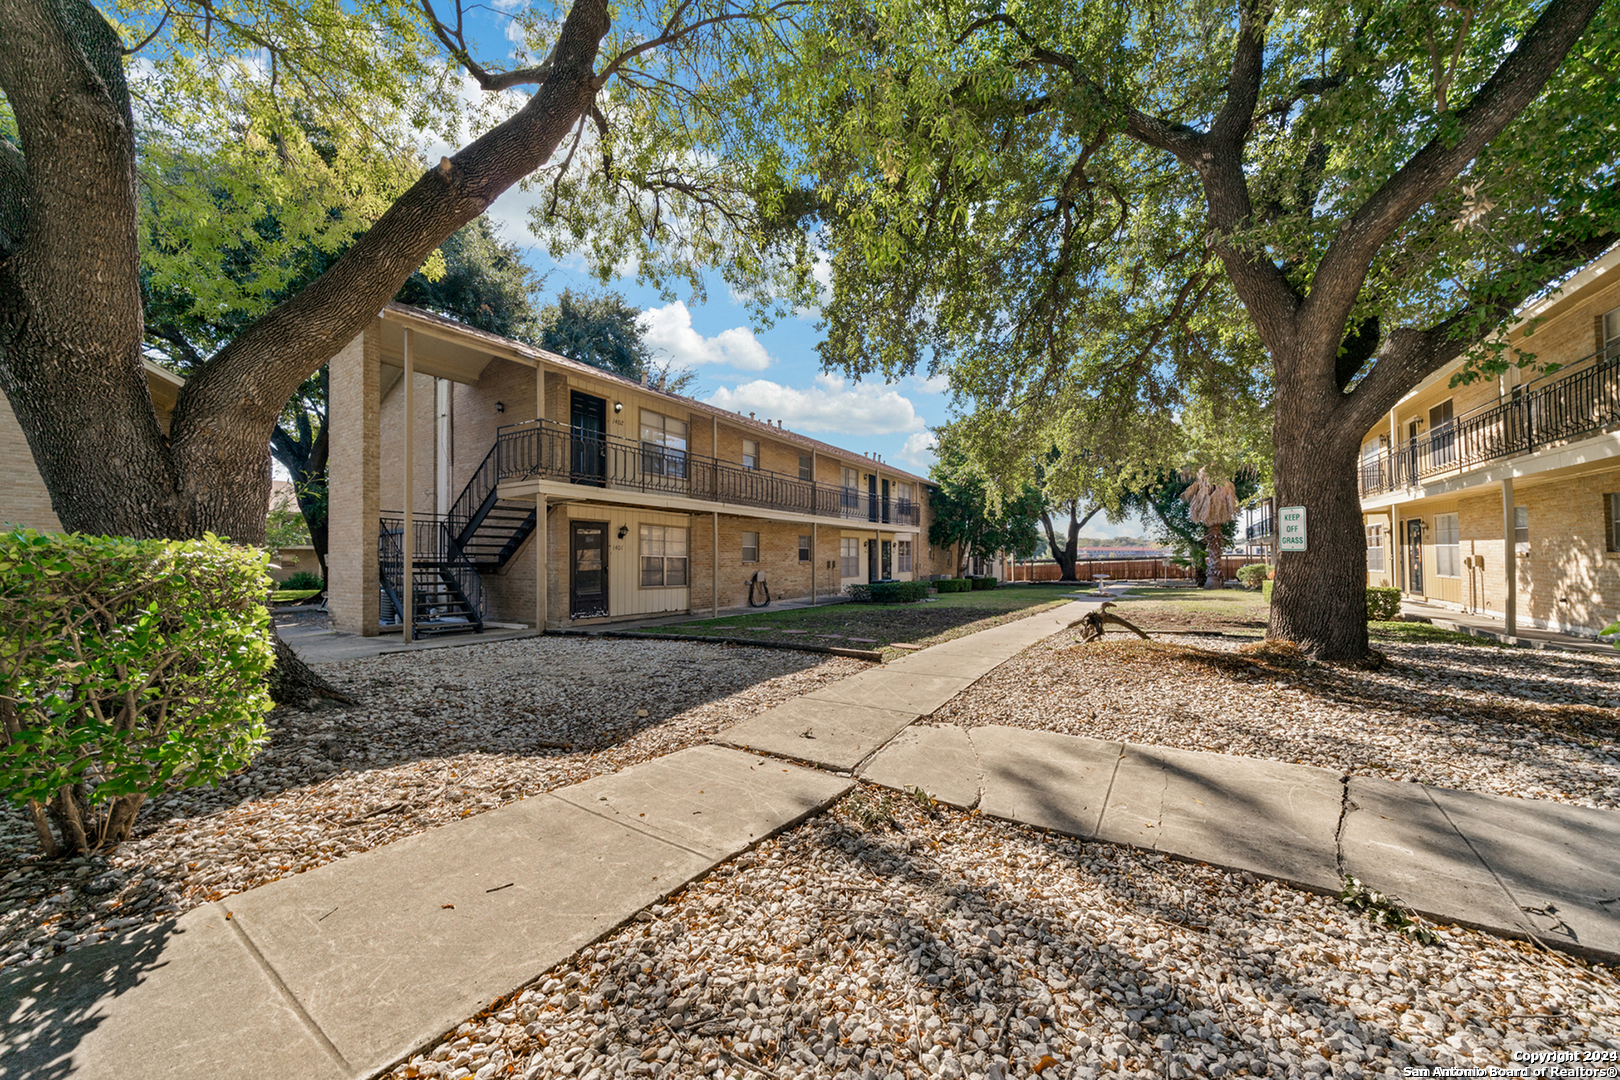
1122	569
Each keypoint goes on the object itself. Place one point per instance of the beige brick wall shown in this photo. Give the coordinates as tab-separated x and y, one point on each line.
474	420
789	579
423	446
354	411
23	498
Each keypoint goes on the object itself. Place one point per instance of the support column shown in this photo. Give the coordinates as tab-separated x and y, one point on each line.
714	567
355	455
1510	601
407	540
542	542
815	556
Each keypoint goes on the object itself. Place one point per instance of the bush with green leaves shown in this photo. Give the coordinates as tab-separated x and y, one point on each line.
1611	634
1383	603
1265	589
127	668
957	584
899	592
1254	575
304	579
982	583
860	594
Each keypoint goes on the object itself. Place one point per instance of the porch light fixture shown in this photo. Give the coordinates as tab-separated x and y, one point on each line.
624	530
618	406
500	406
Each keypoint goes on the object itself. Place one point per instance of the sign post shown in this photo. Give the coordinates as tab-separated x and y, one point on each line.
1291	528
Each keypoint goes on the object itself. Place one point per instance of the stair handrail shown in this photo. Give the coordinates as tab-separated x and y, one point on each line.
484	480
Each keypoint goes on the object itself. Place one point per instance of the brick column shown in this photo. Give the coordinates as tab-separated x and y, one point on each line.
355	451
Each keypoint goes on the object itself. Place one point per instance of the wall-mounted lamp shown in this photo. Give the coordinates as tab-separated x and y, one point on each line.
624	530
618	406
500	406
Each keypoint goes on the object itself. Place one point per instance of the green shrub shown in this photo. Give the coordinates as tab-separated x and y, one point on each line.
955	584
127	668
899	592
1383	603
304	579
1253	575
1265	589
982	583
861	594
1611	634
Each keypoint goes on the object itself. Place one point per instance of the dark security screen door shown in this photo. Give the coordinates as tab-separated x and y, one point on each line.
588	418
587	579
1414	547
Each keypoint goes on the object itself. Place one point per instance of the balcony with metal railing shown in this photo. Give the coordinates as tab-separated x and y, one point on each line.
1580	400
547	450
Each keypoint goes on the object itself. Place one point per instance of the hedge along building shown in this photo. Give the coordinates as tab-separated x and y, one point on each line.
542	489
1503	496
24	499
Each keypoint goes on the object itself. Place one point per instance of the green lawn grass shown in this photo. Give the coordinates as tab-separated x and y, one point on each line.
293	596
1154	608
927	622
1417	633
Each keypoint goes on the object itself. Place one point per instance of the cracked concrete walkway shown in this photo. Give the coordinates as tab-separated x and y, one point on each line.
1522	868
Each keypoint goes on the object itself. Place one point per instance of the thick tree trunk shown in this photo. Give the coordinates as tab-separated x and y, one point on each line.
1215	544
1319	595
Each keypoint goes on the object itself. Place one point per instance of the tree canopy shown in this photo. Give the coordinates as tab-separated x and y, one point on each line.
1088	212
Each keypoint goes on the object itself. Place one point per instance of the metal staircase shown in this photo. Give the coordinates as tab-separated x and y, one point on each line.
449	556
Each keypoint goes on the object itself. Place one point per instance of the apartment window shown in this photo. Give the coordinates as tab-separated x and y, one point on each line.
1442	436
663	445
902	557
1611	520
1375	548
1521	529
850	482
806	467
1447	546
849	557
1611	335
804	549
663	555
750	547
750	453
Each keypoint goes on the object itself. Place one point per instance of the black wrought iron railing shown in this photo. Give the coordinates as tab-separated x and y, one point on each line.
1259	528
439	569
553	451
475	497
1582	399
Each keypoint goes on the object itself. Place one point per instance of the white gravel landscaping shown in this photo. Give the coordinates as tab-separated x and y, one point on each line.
1537	725
884	939
439	735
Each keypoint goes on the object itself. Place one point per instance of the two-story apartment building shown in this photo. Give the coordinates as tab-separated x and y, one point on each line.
23	498
1503	496
545	490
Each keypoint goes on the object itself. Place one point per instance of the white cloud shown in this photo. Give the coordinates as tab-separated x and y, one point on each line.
919	451
829	405
668	330
933	384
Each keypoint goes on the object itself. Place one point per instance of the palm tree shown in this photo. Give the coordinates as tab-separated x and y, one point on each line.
1211	504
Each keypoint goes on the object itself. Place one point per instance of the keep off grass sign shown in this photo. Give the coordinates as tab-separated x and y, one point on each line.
1291	531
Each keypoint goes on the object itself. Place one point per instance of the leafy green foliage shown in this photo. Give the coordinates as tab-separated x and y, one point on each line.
1253	575
303	580
601	330
126	668
1386	911
1383	603
981	584
970	513
485	284
950	585
1612	633
889	592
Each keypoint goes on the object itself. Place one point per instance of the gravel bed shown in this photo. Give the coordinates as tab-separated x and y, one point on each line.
1537	725
438	736
884	939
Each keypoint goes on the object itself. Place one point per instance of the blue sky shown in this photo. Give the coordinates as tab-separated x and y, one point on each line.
771	371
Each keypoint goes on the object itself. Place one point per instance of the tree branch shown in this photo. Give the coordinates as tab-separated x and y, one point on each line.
1508	92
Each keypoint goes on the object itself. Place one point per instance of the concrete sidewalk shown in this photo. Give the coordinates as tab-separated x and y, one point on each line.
344	970
1521	868
1481	625
840	726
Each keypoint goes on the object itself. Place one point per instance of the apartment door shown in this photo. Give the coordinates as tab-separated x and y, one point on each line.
1414	555
588	443
872	560
871	498
587	578
888	559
